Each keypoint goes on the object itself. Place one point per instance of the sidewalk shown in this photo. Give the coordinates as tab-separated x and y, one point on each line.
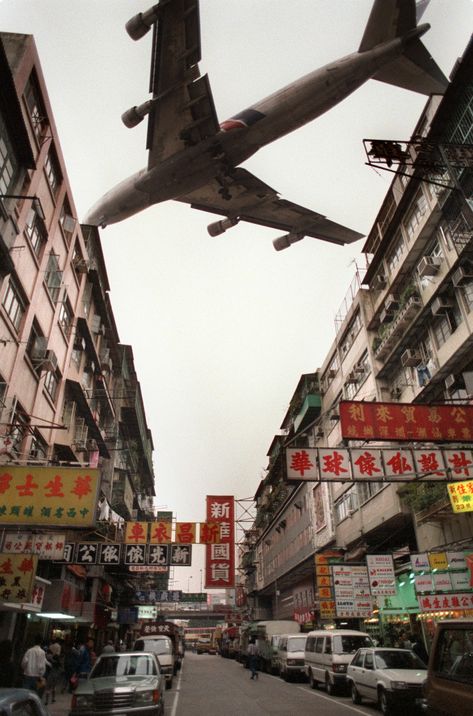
61	706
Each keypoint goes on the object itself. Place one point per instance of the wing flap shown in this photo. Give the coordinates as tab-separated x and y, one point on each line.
254	201
183	111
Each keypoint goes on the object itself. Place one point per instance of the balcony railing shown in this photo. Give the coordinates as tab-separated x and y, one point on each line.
397	328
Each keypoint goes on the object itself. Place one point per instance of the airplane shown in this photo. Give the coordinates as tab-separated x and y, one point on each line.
196	160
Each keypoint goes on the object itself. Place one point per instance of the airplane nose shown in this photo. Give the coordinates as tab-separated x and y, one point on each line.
95	216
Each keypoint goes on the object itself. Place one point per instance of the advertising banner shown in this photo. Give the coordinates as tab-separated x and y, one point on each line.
220	557
17	574
381	574
461	496
51	496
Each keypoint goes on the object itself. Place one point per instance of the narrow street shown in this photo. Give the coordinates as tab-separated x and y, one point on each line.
213	686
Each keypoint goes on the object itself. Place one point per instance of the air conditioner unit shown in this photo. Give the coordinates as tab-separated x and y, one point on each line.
410	357
429	266
331	373
380	282
50	361
441	305
80	446
352	377
391	303
463	274
80	265
386	316
451	382
91	444
396	393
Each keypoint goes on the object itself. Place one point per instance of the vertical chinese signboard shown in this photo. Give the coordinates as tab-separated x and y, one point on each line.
220	557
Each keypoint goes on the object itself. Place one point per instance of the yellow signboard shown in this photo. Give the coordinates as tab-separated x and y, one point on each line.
17	573
438	561
461	495
62	496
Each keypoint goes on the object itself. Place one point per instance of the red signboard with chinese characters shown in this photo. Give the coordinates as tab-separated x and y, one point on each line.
220	557
52	496
17	573
405	421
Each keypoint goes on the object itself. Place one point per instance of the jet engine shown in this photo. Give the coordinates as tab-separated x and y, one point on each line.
283	242
139	24
133	116
219	227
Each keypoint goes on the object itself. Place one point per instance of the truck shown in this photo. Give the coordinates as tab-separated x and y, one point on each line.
266	633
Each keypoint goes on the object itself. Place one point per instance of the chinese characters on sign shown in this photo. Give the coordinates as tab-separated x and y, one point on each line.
381	574
17	573
46	546
62	496
405	421
378	464
160	532
461	496
220	556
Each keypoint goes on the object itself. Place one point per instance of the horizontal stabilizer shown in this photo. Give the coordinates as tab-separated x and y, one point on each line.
415	70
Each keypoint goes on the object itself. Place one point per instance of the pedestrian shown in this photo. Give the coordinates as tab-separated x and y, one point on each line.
53	676
418	648
108	648
34	667
7	670
252	653
70	664
85	659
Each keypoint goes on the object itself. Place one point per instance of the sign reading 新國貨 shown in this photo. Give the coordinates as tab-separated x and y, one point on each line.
220	557
53	496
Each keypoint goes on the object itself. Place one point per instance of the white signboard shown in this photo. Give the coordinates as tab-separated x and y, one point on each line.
381	574
420	562
424	583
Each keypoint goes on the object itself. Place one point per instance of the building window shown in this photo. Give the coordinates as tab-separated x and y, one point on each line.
36	232
442	329
415	215
366	490
36	110
346	505
38	448
14	304
467	291
18	428
65	316
53	173
8	164
350	335
51	383
53	278
395	254
67	221
36	346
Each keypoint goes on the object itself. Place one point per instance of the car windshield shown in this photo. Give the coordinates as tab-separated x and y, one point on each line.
348	644
296	644
157	646
124	665
398	660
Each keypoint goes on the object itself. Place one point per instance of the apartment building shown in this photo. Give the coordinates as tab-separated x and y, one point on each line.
69	393
403	334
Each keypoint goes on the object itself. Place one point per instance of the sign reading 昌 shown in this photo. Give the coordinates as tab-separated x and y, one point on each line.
52	496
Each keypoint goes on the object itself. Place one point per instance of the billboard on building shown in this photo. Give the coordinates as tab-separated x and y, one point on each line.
52	496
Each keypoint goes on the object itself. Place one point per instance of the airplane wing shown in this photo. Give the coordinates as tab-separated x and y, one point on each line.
182	109
245	198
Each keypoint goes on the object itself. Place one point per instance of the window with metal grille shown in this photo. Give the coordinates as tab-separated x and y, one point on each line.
13	304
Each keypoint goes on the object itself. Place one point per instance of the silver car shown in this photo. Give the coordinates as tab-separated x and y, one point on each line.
125	684
391	677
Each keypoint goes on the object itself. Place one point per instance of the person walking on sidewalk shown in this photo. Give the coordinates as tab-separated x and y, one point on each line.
34	666
252	653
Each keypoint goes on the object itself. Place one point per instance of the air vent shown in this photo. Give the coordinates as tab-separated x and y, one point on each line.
429	266
410	357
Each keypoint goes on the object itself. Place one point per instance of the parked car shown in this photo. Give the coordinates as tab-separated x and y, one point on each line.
392	678
328	653
163	648
290	659
449	685
21	701
126	683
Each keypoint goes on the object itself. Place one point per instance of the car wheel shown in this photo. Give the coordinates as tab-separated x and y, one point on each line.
384	703
329	687
355	696
313	683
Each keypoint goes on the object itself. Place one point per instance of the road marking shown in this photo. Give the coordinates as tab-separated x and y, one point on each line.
177	691
328	698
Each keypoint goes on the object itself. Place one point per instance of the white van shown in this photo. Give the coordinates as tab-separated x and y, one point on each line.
290	659
328	653
163	648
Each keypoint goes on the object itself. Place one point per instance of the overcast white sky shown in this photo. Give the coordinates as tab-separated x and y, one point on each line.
222	328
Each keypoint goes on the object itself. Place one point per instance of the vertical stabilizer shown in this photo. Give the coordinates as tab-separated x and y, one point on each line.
415	69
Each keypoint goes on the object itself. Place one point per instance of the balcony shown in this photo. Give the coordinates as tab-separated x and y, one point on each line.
309	411
394	331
